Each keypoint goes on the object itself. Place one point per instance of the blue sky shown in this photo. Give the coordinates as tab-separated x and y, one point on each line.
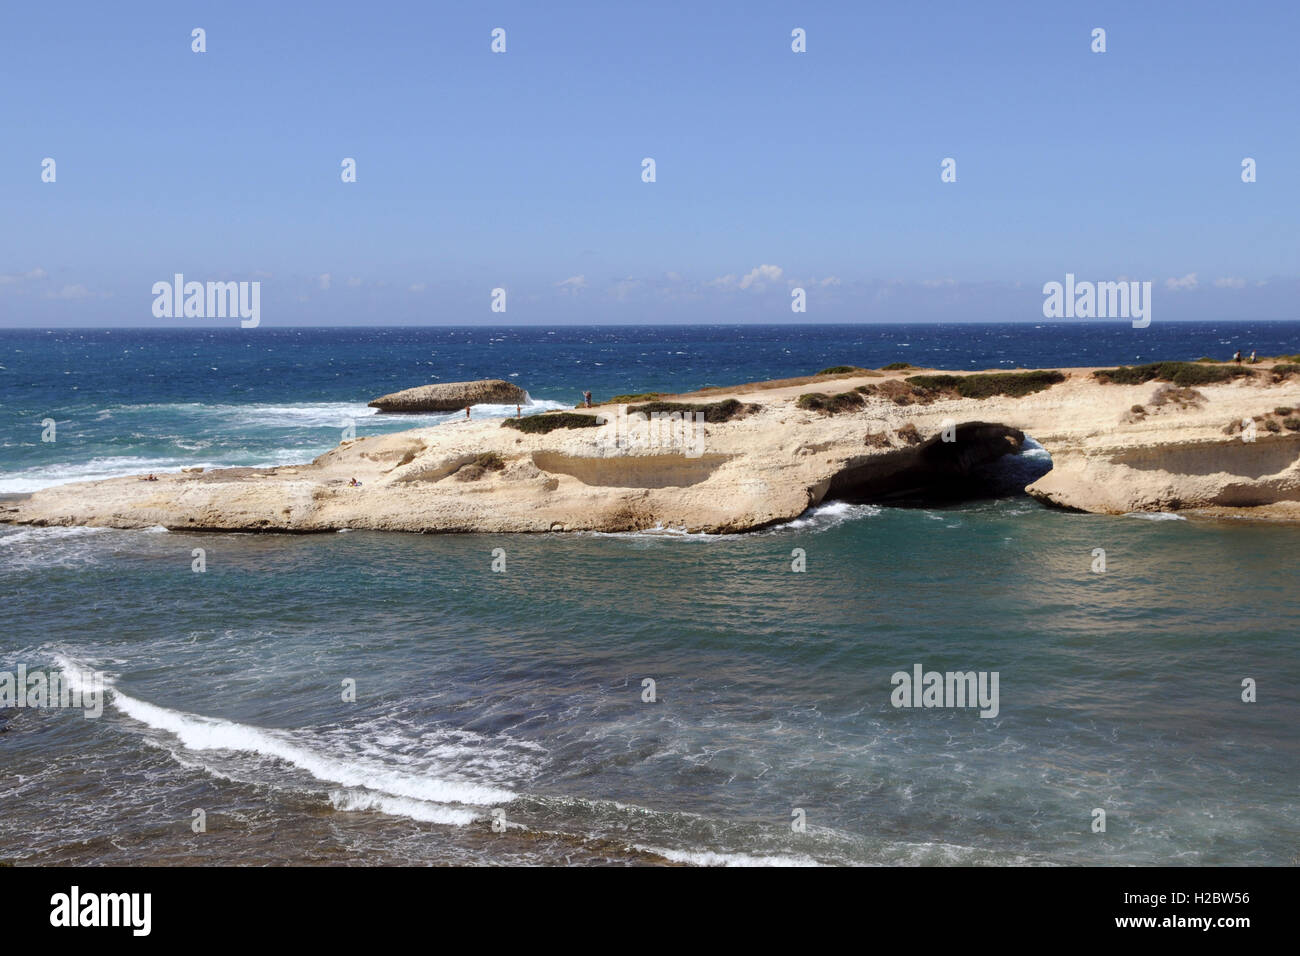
522	170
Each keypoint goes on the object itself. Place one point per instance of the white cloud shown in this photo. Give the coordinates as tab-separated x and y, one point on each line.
624	287
813	283
324	280
761	275
36	273
757	278
1188	281
1230	283
77	291
573	284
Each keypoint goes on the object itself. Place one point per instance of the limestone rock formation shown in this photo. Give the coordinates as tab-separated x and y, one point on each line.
761	468
451	396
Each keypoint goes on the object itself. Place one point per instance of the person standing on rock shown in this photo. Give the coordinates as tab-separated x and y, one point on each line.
466	413
1253	360
586	397
519	411
1236	356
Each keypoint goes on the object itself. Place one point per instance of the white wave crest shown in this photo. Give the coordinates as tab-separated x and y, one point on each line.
95	469
198	733
710	858
829	515
41	535
422	810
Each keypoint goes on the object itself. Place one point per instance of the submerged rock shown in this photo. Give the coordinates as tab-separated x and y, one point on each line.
451	396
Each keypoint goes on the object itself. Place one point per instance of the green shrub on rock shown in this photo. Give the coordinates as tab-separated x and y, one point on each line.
714	412
989	384
830	404
549	421
1179	373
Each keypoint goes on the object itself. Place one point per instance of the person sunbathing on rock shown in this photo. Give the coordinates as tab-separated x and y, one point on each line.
354	483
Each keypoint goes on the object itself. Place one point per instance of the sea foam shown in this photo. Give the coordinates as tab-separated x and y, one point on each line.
376	785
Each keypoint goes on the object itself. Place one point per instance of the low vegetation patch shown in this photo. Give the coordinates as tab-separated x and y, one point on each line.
1269	421
1179	373
549	421
1284	371
900	393
910	434
749	387
714	412
1170	394
639	397
841	370
896	366
989	384
831	404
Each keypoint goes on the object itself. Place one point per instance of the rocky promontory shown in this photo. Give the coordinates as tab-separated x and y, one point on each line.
1213	439
451	396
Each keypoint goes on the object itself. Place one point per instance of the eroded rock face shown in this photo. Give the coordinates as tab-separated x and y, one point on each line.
738	475
943	460
451	396
1212	475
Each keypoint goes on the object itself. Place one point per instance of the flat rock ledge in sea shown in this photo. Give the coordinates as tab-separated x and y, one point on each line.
451	396
763	455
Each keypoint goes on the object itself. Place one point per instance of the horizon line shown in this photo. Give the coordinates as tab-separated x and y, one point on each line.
630	325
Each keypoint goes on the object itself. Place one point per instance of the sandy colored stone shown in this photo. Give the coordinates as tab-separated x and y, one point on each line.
766	467
451	396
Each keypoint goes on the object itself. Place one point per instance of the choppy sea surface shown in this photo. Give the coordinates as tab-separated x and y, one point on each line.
502	717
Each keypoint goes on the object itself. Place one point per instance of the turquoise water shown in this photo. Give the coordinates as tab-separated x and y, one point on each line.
522	691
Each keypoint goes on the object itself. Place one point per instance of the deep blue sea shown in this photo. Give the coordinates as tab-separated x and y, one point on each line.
500	717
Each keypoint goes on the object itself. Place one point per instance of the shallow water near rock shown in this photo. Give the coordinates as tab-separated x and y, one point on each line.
522	691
